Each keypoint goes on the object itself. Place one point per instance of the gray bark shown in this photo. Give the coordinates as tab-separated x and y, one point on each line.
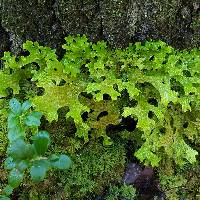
119	22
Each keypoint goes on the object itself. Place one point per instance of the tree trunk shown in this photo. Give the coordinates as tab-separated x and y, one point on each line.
119	22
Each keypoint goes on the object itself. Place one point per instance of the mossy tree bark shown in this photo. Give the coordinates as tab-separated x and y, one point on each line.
119	22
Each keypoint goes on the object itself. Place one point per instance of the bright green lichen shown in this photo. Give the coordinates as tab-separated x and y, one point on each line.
164	83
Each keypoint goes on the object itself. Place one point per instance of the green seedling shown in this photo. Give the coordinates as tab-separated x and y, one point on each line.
24	156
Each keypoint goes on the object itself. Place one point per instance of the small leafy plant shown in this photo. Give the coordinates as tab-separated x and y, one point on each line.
23	156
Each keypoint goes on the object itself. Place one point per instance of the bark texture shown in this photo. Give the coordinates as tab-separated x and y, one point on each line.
119	22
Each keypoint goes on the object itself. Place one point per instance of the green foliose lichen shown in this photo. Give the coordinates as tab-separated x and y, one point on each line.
163	82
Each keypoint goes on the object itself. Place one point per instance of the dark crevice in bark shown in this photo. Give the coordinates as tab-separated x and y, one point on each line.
4	43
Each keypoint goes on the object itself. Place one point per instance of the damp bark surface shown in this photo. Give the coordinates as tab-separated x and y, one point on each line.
119	22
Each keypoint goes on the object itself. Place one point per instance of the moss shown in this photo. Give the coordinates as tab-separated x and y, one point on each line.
192	189
3	145
172	185
3	138
125	192
182	183
94	168
3	128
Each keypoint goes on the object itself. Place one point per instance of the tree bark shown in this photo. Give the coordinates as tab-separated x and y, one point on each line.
119	22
